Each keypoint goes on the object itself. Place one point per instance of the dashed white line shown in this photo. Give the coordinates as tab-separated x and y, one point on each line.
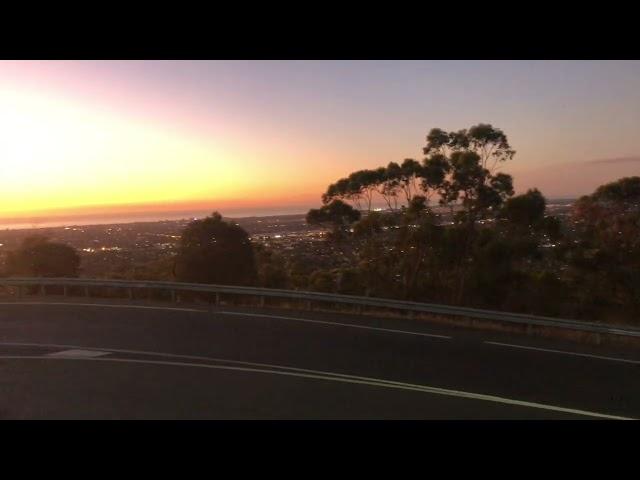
306	320
372	382
576	354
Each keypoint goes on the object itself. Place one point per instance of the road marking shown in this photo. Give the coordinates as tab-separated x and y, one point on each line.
372	382
576	354
190	357
78	353
105	305
336	324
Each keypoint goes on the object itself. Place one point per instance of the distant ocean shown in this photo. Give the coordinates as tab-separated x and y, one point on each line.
60	221
50	222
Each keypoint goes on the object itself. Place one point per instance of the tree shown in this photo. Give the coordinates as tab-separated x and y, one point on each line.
389	184
418	240
159	269
214	251
611	215
433	173
271	268
322	281
369	226
490	143
336	213
466	161
408	175
367	182
410	253
607	223
349	189
39	257
525	210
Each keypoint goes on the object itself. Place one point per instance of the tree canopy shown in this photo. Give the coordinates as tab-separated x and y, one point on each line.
39	257
337	213
526	209
214	251
460	167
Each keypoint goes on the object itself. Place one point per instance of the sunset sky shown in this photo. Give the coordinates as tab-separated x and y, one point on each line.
85	137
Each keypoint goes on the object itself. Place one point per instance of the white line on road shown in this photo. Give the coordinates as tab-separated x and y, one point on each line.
576	354
229	313
147	307
189	357
335	324
75	352
372	382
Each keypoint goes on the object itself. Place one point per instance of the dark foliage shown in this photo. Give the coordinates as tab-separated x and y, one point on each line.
214	251
38	257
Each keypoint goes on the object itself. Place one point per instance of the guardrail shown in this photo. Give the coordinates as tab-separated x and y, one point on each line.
315	297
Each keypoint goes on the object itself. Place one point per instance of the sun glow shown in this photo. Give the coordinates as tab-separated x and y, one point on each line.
56	154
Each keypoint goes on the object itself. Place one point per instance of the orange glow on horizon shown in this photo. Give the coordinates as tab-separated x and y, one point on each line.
100	137
64	157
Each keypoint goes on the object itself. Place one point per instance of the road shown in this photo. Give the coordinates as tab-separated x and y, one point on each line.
101	360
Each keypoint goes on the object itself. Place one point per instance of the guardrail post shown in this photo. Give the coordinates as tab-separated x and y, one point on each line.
173	296
86	291
42	291
64	291
308	305
261	301
217	299
130	290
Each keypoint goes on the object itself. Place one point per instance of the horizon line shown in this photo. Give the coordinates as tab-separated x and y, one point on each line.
154	216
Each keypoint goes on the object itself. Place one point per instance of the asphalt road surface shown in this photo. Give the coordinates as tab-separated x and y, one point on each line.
102	360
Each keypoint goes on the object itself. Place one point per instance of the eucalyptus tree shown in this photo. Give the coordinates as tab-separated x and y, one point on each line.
408	178
490	143
433	173
38	256
417	244
214	251
526	210
336	212
344	189
389	184
367	182
463	174
463	168
607	223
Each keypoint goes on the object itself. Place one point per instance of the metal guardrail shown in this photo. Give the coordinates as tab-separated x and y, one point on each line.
359	301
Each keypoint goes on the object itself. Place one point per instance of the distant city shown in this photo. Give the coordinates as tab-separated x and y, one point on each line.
113	249
109	249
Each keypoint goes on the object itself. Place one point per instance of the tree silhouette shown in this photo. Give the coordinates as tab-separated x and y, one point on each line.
462	169
525	210
336	213
39	257
608	224
214	251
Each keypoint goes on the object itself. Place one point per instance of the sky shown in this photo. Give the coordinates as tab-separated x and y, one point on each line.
104	137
